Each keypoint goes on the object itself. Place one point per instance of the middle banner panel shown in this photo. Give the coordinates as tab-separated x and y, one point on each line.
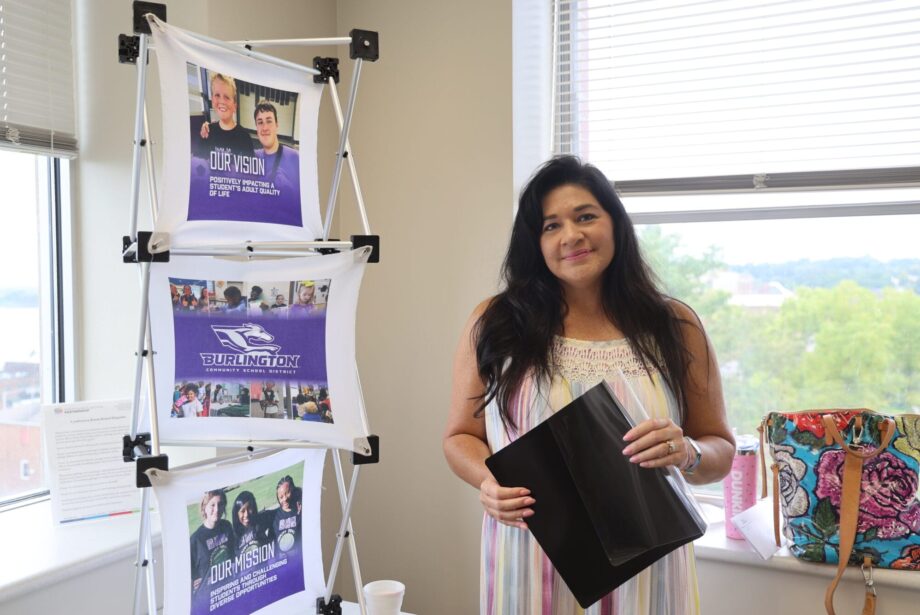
258	350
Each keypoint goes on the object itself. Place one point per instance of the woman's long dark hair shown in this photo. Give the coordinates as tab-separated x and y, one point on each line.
515	333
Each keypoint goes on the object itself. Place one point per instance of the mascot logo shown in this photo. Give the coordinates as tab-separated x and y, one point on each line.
247	339
252	346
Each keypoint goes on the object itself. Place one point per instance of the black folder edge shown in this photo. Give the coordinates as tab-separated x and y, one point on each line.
571	444
594	490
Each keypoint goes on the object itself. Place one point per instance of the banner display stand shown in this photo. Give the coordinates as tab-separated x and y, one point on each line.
245	239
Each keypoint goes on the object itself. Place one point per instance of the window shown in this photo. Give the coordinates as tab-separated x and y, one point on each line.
31	357
36	132
768	153
815	313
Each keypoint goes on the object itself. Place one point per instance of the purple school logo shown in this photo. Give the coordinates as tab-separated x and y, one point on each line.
253	346
247	339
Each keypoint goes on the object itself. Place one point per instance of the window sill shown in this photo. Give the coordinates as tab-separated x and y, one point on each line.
47	553
716	546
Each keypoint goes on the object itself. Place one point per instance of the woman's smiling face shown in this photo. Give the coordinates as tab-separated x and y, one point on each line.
577	237
212	512
284	496
245	514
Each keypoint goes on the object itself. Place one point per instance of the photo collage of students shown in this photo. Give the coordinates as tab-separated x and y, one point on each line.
264	526
229	301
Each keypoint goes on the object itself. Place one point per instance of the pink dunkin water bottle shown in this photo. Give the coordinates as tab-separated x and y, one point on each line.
740	486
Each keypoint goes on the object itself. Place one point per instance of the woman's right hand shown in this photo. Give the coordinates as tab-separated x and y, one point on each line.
205	130
507	505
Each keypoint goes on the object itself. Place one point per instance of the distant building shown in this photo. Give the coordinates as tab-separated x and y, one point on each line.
19	381
20	429
748	292
20	459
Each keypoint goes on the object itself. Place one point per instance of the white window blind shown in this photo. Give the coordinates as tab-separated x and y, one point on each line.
36	77
820	93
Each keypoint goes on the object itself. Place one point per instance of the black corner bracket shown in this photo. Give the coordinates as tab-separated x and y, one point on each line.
128	48
364	45
141	26
327	250
333	608
141	254
328	69
128	445
359	241
374	457
159	462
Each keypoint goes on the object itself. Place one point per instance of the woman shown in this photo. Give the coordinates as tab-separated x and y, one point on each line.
286	523
212	542
579	304
188	301
204	301
248	526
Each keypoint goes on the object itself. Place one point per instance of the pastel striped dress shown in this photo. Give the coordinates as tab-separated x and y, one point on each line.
516	577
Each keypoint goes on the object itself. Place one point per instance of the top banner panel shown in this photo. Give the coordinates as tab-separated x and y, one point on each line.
239	139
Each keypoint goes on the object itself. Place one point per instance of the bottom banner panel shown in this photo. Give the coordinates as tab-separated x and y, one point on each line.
243	538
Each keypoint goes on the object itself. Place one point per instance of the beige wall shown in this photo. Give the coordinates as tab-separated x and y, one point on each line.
432	141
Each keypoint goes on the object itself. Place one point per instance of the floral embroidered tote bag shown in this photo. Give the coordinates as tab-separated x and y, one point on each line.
847	482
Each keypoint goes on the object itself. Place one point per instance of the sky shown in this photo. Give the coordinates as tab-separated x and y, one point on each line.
18	221
775	241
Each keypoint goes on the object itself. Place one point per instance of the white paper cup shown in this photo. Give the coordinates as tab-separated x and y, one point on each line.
384	597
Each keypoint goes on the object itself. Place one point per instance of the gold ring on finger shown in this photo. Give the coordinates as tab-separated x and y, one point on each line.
671	447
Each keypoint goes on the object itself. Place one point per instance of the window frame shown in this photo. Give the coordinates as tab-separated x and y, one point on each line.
61	298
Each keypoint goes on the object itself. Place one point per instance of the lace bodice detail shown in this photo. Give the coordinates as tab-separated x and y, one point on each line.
590	362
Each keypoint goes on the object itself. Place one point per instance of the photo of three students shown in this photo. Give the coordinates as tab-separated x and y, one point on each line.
218	540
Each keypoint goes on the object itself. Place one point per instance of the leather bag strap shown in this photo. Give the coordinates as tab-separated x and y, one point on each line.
775	468
849	506
832	434
764	424
763	457
849	513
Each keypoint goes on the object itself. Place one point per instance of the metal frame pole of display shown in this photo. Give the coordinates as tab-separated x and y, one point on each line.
133	445
144	449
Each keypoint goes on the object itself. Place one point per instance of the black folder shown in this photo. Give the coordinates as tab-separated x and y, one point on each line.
599	518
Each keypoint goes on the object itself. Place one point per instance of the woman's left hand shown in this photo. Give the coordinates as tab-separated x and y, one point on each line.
655	443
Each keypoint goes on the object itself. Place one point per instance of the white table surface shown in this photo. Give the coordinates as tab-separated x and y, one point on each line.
351	608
